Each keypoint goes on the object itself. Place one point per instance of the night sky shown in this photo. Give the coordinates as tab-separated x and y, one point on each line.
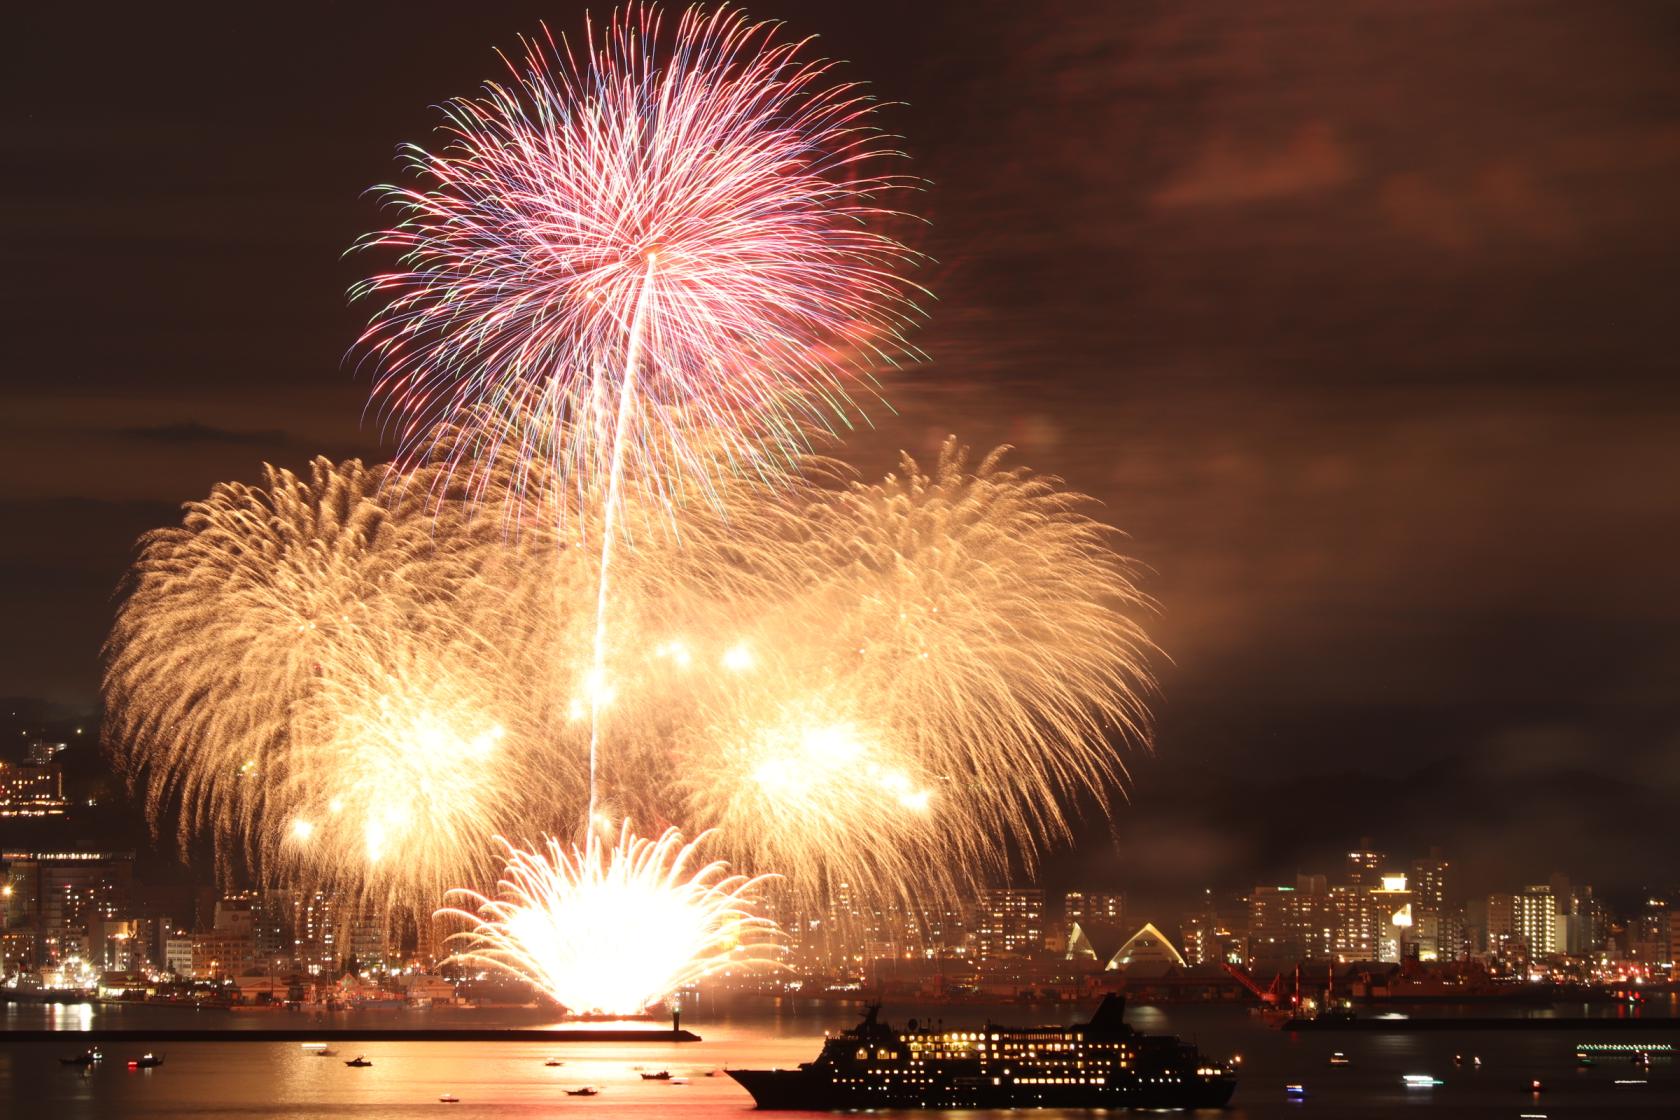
1357	317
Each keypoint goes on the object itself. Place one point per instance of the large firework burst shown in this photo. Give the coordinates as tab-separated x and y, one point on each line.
299	670
944	658
642	253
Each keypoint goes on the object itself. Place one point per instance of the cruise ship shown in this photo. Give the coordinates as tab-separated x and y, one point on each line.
1099	1064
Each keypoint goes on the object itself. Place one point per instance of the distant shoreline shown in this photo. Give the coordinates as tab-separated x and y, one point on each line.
1484	1023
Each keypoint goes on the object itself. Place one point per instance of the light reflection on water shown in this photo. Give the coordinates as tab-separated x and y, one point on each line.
509	1080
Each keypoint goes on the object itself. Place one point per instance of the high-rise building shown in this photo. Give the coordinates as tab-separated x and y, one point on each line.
1356	924
369	939
1395	918
1650	934
1009	922
1101	906
1438	934
1537	921
316	934
1287	923
61	896
1365	865
1429	881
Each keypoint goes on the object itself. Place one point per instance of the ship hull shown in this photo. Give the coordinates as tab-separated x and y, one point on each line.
810	1091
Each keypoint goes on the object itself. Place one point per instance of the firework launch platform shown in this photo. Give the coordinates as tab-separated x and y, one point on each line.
558	1036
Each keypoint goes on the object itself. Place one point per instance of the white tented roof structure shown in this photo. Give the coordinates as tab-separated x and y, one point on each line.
1147	950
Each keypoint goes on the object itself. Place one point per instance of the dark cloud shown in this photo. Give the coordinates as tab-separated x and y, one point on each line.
192	432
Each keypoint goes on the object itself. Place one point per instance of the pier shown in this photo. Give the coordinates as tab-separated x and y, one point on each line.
548	1037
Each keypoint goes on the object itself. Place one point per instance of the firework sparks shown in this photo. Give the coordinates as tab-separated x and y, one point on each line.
875	684
227	619
645	255
297	670
612	931
939	661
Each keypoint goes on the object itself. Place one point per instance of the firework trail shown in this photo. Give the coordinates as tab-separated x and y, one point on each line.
628	246
611	931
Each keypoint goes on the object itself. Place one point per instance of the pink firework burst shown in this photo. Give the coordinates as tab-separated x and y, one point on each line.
651	254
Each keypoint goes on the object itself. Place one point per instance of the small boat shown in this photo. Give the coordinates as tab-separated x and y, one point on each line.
146	1061
1340	1059
1476	1061
679	1081
450	1098
1421	1081
85	1058
662	1075
1584	1061
358	1062
711	1073
552	1062
1294	1092
1535	1086
586	1091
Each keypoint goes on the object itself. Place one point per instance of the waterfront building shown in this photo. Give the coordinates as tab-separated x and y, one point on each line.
178	954
1440	935
1147	952
1095	942
1650	933
1394	915
369	940
1212	934
60	897
1291	923
1538	922
314	926
1356	929
222	954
